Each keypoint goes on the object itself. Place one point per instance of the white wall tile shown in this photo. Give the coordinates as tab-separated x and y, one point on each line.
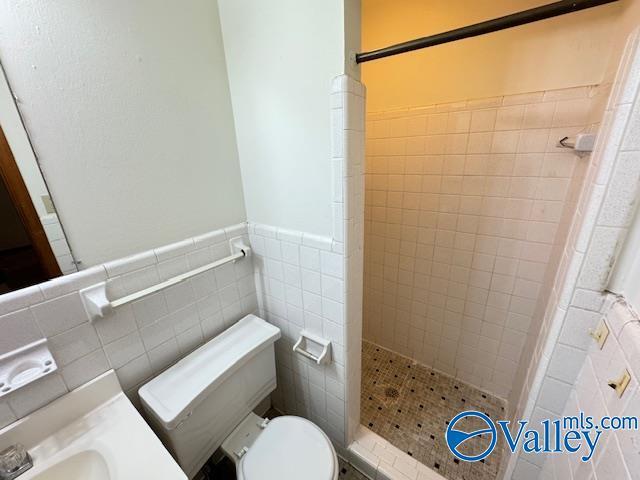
121	323
611	463
124	350
85	368
18	329
184	319
73	344
136	339
59	314
310	258
554	395
174	250
36	395
190	339
148	309
566	362
70	283
475	210
20	299
130	263
134	372
6	415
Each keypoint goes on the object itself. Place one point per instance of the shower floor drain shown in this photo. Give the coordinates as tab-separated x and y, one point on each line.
391	392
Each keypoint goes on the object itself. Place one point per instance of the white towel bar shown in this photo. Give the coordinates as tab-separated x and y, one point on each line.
97	305
177	279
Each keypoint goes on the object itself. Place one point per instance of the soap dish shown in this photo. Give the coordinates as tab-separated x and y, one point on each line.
25	365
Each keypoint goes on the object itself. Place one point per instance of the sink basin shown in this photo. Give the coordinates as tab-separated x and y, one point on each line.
88	465
91	433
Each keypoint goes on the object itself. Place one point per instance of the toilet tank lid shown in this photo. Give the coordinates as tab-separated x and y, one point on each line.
172	395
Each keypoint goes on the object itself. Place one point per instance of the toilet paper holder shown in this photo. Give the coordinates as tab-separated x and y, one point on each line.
313	347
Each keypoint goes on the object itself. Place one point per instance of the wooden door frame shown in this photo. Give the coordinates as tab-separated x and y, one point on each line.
21	199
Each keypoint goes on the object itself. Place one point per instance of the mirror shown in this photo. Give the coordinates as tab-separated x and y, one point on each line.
123	133
33	246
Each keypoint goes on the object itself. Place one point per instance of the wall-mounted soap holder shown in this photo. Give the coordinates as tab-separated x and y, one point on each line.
316	348
25	365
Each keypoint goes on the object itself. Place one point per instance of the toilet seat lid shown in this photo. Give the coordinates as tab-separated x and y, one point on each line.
289	448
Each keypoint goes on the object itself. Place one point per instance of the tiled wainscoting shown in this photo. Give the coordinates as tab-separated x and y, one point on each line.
300	285
616	456
138	340
463	206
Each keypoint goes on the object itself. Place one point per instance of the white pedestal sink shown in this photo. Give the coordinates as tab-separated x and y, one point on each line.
92	433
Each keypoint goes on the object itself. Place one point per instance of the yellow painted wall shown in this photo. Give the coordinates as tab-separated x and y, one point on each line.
627	21
566	51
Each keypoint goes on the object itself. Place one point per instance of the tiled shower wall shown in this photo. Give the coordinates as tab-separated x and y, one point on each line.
138	340
554	275
463	206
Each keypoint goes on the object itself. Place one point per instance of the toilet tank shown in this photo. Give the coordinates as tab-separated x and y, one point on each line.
196	403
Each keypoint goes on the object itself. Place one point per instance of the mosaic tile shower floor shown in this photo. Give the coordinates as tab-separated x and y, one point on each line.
411	405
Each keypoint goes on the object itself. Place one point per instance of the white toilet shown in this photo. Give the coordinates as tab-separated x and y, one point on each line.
206	401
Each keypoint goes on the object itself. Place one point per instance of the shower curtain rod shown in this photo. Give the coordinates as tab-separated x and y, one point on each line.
516	19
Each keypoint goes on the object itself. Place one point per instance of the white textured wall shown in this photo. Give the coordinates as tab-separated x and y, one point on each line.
282	56
128	106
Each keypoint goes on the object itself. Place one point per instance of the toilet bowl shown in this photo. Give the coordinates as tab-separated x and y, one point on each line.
206	401
284	448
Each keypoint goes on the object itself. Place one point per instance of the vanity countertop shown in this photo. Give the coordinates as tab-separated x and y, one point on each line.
94	433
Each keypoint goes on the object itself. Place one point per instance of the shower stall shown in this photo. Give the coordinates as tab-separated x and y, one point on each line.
467	210
469	202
